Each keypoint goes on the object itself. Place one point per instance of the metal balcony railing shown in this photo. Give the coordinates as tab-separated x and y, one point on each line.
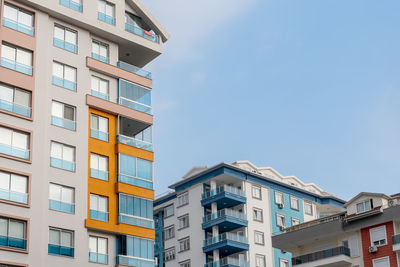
319	255
225	213
222	189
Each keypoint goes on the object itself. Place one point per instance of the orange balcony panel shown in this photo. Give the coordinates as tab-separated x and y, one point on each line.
134	152
120	229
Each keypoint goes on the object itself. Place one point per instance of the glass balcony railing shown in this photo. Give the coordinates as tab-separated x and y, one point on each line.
98	174
225	213
133	69
99	215
14	151
12	242
134	105
15	108
103	17
396	239
100	95
62	164
320	255
145	34
133	220
64	123
72	4
10	64
228	261
222	189
60	250
130	141
134	261
99	135
65	45
14	196
9	23
226	237
98	257
123	178
61	206
64	83
100	58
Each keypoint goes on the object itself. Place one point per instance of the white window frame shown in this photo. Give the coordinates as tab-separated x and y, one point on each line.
92	116
255	217
96	250
63	110
14	139
100	45
294	200
306	202
183	199
66	29
105	11
63	189
63	231
387	259
258	234
62	151
18	10
278	215
379	228
277	195
182	219
97	198
14	89
256	192
64	67
8	184
97	157
262	258
364	204
295	221
283	263
24	230
18	49
98	80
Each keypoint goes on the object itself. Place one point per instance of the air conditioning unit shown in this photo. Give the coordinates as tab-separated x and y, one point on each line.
373	249
280	205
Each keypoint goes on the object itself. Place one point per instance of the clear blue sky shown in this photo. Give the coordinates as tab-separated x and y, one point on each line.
308	87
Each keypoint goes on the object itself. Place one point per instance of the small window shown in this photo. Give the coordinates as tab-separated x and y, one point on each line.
98	251
257	215
13	187
183	199
16	58
260	260
61	242
62	156
15	100
169	232
278	197
183	221
308	208
100	51
18	19
378	236
98	166
283	263
280	220
65	38
364	206
61	198
106	12
169	254
99	127
294	203
100	88
184	244
63	115
185	263
168	211
64	76
259	238
256	192
14	143
295	221
98	207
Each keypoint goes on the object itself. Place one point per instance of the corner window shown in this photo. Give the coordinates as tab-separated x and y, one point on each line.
257	215
364	206
308	208
183	199
378	236
256	192
294	203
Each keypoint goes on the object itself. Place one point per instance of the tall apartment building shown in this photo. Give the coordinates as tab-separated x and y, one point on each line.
76	179
225	215
366	234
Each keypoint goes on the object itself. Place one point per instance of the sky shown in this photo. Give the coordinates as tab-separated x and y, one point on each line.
308	87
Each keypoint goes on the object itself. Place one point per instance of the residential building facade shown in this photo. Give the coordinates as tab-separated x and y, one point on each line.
366	234
76	179
225	216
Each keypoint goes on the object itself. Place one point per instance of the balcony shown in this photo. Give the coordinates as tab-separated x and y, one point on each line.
99	135
98	174
134	69
65	45
227	243
107	19
134	261
130	141
134	97
99	215
14	196
70	85
72	5
138	221
396	242
339	256
225	196
13	65
60	250
64	123
97	257
62	206
15	108
145	34
12	24
12	242
228	262
14	151
62	164
100	58
226	220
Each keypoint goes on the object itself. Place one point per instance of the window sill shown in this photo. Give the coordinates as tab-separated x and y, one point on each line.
24	251
15	203
16	158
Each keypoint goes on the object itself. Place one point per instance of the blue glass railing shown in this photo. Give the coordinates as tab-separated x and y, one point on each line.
9	23
138	31
61	122
15	108
62	164
108	19
228	261
61	206
12	242
97	257
133	220
222	189
60	250
135	105
102	175
100	58
100	95
64	83
14	151
225	237
65	45
130	141
14	196
99	215
135	262
123	178
71	4
225	213
134	69
99	135
10	64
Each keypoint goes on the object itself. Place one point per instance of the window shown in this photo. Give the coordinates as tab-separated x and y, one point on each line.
278	197
73	4
184	244
63	115
183	199
98	249
100	88
283	263
61	198
381	262
136	211
62	156
308	208
184	264
65	38
13	187
295	221
64	76
259	238
257	215
135	171
15	100
280	220
256	192
12	233
364	206
135	247
16	58
100	51
61	242
260	260
169	232
99	166
183	221
378	236
169	254
14	143
98	207
169	211
294	203
18	19
106	12
99	127
134	96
